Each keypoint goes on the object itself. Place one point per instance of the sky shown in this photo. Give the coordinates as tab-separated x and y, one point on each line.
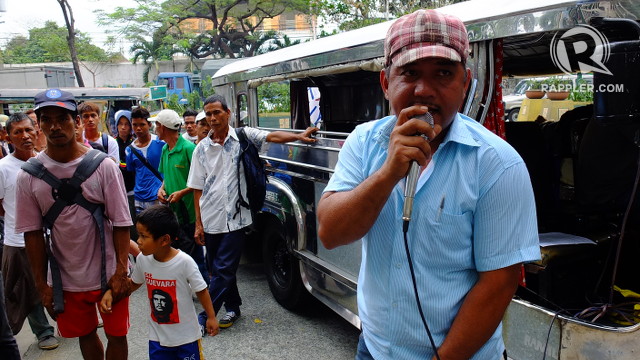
22	15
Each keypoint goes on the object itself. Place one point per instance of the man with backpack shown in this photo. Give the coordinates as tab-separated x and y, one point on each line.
218	179
90	115
22	298
87	221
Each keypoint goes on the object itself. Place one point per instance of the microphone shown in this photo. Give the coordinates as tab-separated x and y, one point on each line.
412	179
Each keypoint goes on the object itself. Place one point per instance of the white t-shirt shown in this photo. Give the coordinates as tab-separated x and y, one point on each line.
190	138
142	149
173	320
9	167
113	148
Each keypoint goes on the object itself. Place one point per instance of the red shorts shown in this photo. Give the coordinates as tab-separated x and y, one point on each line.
80	315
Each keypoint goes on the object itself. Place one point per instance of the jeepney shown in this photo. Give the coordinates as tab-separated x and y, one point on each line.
567	307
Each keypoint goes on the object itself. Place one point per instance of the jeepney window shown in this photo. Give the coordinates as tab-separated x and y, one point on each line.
315	116
242	114
180	83
274	105
350	99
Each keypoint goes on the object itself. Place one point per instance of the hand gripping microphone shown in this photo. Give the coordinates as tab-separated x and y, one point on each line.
412	179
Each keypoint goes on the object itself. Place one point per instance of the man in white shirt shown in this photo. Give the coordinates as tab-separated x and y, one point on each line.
220	219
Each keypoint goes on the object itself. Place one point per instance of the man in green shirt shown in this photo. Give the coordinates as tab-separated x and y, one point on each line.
175	162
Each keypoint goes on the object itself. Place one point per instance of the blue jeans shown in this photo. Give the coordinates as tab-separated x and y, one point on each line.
39	323
223	258
363	352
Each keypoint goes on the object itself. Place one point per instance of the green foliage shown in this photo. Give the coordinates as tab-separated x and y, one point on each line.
271	41
583	91
533	84
235	24
194	100
206	88
49	44
354	14
151	51
557	83
274	97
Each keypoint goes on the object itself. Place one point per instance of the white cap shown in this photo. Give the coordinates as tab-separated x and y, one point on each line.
200	116
169	119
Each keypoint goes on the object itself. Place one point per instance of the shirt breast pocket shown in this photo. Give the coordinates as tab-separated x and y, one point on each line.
450	236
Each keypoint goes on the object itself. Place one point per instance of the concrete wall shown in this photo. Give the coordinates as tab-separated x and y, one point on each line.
107	74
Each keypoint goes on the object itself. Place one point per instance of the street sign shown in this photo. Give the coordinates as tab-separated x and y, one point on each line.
158	92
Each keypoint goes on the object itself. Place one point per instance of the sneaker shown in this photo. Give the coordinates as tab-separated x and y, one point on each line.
228	319
48	343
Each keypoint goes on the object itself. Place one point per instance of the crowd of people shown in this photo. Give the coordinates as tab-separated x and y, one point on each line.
166	198
142	197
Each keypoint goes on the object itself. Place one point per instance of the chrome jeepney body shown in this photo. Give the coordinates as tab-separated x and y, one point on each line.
348	64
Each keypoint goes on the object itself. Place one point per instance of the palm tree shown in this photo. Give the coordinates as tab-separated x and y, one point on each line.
285	42
151	51
271	41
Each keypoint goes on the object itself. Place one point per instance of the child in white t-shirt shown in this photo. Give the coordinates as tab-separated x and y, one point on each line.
171	276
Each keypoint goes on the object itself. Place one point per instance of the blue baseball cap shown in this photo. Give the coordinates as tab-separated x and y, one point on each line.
55	97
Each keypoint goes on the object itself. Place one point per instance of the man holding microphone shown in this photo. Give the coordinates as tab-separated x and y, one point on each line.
473	221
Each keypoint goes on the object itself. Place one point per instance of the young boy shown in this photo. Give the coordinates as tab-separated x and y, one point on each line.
171	276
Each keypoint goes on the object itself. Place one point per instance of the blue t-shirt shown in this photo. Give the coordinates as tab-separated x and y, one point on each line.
474	211
147	184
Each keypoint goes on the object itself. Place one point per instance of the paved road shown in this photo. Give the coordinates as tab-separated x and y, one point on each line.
265	330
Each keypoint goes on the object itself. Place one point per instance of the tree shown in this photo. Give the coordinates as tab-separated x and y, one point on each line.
233	25
151	51
71	38
354	14
275	97
48	44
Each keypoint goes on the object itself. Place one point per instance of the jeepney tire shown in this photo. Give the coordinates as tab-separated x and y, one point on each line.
283	271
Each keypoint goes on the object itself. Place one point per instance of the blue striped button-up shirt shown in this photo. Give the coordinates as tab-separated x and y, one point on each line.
474	211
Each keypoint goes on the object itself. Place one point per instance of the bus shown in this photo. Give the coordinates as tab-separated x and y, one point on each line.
580	300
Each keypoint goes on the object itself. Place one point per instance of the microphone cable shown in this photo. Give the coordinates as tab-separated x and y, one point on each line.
415	288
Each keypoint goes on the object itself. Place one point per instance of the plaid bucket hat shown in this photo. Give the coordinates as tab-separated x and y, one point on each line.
426	33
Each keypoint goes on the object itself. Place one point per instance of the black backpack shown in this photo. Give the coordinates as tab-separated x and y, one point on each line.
67	192
254	174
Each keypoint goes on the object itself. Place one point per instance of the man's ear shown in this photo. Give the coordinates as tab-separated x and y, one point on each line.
384	82
468	80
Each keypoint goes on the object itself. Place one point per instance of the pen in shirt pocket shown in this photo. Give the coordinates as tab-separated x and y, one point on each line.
440	209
